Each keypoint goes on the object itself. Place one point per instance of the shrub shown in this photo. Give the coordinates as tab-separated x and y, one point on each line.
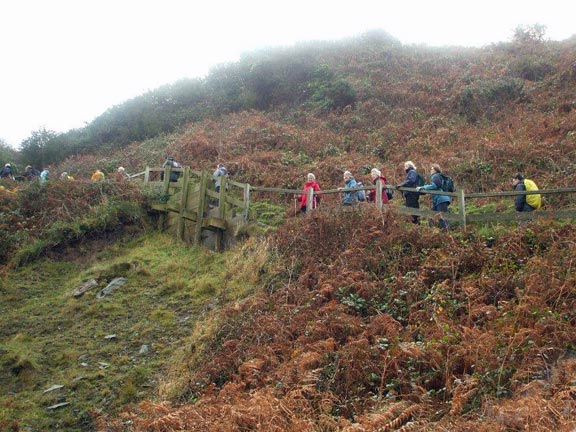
485	98
530	68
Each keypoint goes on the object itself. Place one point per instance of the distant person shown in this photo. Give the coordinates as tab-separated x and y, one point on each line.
66	177
311	183
98	175
121	174
31	173
44	175
376	175
219	172
440	203
350	197
6	172
173	164
525	203
413	180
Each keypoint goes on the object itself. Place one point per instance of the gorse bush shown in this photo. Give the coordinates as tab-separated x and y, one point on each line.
530	68
484	99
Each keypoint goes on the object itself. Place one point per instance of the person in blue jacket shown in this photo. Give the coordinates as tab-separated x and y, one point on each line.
350	198
440	203
411	198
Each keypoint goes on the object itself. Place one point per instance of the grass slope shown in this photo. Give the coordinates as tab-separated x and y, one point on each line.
48	337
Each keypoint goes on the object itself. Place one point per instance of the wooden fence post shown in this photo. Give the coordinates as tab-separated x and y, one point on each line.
379	194
462	207
183	203
166	179
201	208
222	197
246	201
309	200
147	175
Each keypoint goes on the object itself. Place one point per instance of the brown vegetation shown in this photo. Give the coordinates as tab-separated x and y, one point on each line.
388	328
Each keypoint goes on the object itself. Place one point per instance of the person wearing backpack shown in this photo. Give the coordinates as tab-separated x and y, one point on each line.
97	176
413	180
525	203
377	175
350	197
174	175
31	173
218	173
440	203
311	183
6	172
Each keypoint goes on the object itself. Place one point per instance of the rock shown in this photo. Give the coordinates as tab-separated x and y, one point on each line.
111	336
54	387
115	283
144	350
58	405
86	286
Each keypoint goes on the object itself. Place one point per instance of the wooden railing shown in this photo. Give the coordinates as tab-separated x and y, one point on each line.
458	213
194	200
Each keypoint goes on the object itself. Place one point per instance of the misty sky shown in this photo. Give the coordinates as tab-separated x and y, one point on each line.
64	62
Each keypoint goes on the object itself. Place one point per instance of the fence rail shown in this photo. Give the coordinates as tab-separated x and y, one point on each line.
193	198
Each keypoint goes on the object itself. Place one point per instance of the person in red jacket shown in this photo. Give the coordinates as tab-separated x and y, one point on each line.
311	183
376	174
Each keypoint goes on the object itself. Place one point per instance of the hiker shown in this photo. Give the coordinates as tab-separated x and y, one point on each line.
121	174
413	180
525	203
311	183
220	171
44	175
440	203
350	197
31	173
6	172
376	175
65	177
97	176
173	164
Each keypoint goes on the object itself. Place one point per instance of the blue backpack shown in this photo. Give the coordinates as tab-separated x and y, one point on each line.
360	195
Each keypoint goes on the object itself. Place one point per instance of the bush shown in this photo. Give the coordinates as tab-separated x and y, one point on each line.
485	98
530	68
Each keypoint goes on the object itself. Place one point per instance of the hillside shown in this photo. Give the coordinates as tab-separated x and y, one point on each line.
339	322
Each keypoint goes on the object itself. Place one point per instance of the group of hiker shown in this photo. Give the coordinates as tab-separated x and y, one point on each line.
413	183
31	173
353	190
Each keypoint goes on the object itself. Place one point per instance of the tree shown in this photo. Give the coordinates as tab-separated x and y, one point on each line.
530	33
35	148
7	153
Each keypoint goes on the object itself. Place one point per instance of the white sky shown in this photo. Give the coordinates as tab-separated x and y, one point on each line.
64	62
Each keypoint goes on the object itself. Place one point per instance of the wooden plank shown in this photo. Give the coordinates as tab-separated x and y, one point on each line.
201	208
190	215
158	206
183	203
214	222
462	208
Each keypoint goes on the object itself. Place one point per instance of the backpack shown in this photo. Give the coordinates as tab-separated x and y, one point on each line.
447	183
534	200
420	181
360	195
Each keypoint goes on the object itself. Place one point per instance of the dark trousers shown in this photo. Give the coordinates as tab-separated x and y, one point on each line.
442	207
412	201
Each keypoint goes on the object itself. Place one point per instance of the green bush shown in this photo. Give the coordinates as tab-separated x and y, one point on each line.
485	98
530	68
